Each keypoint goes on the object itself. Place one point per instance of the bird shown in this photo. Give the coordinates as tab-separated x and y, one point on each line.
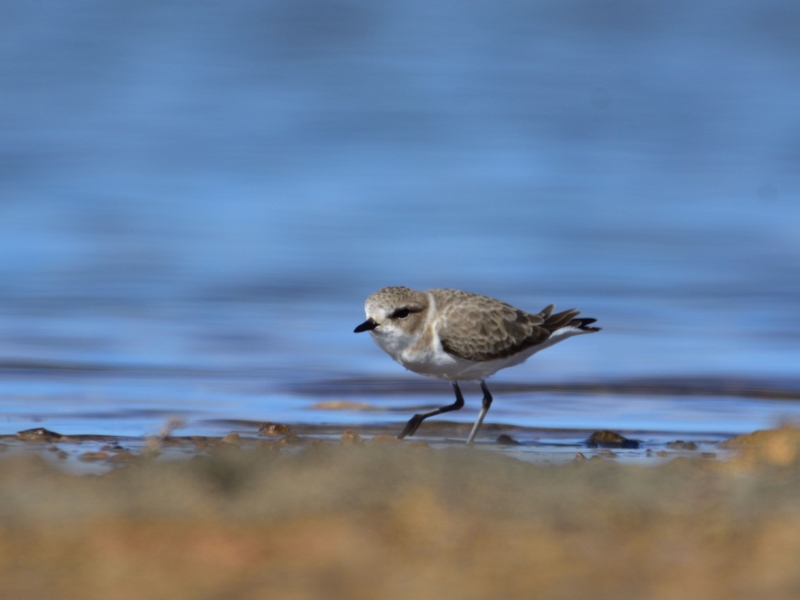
460	336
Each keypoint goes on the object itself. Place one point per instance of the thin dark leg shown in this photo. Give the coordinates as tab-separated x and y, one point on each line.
416	420
487	402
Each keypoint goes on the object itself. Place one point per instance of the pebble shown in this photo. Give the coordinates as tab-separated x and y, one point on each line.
681	445
232	438
610	439
39	434
273	429
112	448
506	440
351	438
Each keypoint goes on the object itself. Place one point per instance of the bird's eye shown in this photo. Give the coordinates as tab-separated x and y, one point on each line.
401	313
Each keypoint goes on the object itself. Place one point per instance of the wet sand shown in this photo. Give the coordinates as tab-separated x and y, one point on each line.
361	518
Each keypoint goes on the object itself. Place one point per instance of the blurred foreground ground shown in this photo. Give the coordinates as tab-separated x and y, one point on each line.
387	520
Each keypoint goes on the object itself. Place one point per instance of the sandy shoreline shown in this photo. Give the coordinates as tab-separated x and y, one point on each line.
368	520
93	453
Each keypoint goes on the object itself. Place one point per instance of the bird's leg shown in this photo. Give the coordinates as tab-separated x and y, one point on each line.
416	420
487	402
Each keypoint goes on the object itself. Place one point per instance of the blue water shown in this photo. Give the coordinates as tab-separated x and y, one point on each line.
196	198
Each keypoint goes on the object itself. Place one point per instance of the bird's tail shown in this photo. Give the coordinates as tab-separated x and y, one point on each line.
554	322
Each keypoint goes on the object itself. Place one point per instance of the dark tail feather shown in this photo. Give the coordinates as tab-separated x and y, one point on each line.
583	324
553	322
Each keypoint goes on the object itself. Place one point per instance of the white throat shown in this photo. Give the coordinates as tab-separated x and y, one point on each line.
394	341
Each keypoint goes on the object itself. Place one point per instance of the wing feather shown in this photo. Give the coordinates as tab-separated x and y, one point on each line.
479	328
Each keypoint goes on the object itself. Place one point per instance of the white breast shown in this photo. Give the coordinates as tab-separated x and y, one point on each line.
433	361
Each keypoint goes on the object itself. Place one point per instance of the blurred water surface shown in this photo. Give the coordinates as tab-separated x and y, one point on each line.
196	197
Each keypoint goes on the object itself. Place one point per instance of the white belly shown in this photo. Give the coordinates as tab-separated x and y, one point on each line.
435	362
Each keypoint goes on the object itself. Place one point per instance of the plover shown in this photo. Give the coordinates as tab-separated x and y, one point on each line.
460	336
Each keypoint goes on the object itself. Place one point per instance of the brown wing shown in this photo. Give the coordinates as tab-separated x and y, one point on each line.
480	328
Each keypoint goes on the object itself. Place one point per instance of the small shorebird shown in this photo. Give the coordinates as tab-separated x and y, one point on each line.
460	336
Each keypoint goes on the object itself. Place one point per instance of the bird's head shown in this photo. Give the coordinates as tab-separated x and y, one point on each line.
395	312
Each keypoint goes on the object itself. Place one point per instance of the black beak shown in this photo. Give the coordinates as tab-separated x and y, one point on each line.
367	325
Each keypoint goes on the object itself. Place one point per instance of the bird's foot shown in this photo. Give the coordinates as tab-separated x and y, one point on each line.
411	427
